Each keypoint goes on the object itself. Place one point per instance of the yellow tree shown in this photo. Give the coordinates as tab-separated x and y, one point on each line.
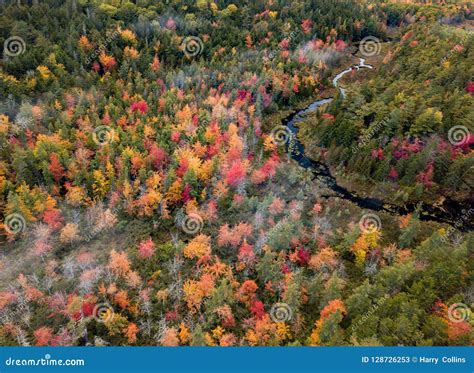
101	185
198	247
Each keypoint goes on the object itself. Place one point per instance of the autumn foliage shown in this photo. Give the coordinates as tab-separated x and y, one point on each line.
146	198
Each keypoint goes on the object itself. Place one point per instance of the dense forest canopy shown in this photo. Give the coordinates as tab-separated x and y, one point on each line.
398	125
145	199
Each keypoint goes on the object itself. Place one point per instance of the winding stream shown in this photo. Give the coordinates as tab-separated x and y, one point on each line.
450	212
